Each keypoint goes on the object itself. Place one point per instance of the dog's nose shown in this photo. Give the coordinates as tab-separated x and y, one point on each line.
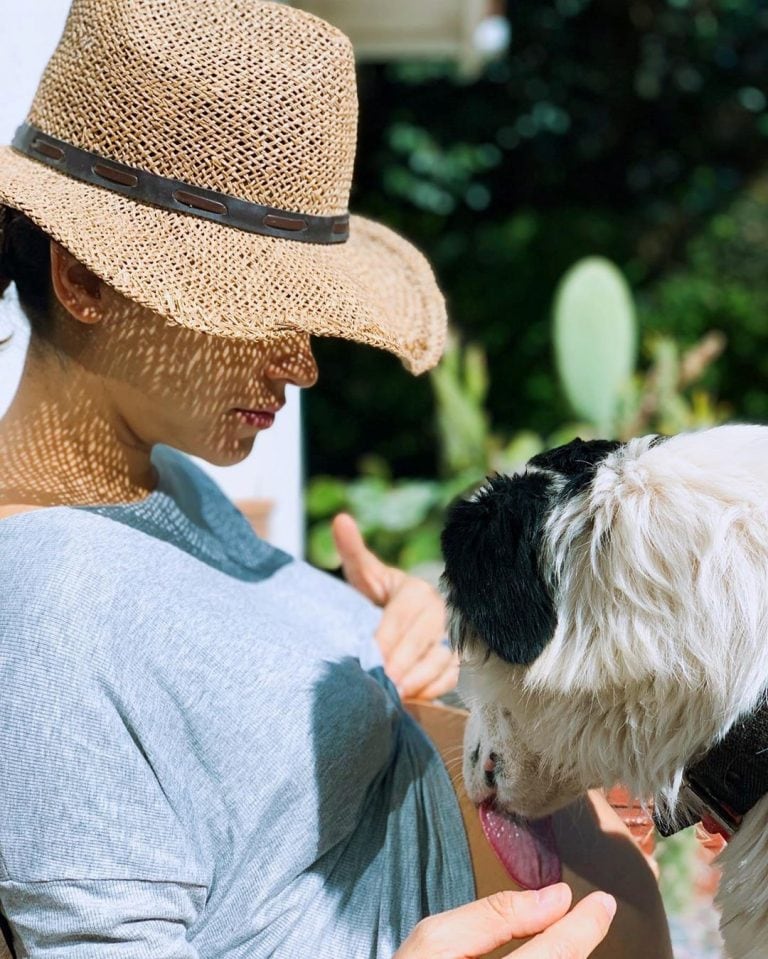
489	770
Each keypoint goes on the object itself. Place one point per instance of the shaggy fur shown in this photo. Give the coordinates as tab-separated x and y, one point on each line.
611	604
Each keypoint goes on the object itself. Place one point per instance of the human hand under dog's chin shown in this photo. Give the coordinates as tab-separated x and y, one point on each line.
413	622
480	927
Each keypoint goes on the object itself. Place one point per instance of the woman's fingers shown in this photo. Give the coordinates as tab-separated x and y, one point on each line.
362	568
435	674
576	935
481	926
413	619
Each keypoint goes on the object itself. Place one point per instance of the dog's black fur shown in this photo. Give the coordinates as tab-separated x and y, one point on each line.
492	547
577	461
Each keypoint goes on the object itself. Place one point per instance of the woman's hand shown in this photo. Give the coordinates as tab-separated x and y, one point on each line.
479	927
412	626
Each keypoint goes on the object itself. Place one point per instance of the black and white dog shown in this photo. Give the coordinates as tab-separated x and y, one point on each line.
611	606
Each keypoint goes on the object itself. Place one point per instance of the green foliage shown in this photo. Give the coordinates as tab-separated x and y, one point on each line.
677	858
460	385
629	130
402	519
434	178
722	283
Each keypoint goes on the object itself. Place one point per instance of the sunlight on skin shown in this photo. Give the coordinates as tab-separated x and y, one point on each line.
119	379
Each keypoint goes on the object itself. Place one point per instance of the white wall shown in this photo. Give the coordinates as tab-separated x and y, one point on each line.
13	324
30	31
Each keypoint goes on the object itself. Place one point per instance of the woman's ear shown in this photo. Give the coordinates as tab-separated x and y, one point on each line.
76	287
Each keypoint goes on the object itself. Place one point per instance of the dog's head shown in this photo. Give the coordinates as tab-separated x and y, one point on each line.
610	604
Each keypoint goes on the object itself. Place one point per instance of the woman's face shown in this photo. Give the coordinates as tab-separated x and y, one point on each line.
206	395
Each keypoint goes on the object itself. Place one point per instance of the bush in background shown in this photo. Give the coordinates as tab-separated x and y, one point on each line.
595	335
636	131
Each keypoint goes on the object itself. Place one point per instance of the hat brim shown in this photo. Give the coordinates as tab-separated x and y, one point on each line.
375	289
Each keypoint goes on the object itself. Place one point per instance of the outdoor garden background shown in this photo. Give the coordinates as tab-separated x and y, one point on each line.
635	131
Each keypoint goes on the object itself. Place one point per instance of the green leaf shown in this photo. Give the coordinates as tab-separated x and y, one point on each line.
374	465
570	431
459	384
325	496
321	548
422	546
518	451
595	339
366	498
476	373
407	505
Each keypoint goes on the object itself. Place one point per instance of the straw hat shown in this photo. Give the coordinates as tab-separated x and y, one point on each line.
198	157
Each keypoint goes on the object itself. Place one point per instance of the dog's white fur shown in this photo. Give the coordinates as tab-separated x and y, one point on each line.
659	570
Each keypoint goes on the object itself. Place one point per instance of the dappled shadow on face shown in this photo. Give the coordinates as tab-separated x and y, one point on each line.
93	402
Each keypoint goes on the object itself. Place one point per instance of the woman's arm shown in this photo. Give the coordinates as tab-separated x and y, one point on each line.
102	918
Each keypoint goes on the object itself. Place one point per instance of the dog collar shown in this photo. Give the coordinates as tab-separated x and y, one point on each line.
731	777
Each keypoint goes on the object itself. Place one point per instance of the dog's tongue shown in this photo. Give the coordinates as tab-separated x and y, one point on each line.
527	849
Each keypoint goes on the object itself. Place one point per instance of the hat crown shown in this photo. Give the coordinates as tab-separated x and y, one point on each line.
249	98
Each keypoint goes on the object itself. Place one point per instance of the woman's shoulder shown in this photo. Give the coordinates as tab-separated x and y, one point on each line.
65	576
50	551
45	539
46	533
55	618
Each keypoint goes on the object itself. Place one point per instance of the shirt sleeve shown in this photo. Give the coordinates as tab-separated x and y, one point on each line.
98	854
96	919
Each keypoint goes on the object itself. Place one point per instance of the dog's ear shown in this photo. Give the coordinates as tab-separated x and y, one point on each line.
494	585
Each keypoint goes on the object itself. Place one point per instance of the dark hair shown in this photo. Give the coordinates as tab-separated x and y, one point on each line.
25	259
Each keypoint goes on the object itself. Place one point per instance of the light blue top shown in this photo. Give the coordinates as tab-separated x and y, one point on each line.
200	754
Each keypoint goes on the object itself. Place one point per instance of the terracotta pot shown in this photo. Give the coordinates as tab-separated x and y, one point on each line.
257	512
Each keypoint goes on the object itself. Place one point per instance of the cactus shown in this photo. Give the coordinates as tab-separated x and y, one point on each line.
595	332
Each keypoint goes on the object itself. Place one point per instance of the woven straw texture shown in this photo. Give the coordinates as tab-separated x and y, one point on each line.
253	99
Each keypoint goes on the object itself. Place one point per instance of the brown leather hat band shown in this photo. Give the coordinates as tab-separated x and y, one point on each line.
177	195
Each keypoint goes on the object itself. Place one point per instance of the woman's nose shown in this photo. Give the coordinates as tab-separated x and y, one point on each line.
293	363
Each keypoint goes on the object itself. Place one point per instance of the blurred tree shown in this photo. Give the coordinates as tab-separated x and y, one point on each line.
628	130
724	283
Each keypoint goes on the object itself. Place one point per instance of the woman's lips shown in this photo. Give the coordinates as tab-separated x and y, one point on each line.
261	419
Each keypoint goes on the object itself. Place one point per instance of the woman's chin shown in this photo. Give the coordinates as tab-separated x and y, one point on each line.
231	454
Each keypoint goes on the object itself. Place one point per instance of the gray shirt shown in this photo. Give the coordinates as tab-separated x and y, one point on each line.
200	754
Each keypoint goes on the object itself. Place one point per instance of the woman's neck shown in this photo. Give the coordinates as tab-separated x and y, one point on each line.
63	443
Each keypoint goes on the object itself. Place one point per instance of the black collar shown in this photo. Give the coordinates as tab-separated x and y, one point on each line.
721	787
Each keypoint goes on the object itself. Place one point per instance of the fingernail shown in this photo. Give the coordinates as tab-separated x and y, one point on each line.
609	903
550	895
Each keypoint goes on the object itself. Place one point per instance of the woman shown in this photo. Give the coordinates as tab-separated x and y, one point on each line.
201	753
